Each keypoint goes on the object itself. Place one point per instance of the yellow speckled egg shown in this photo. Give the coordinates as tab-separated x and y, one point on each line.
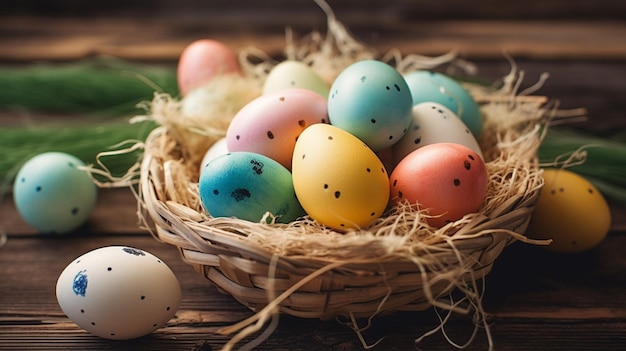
570	211
339	181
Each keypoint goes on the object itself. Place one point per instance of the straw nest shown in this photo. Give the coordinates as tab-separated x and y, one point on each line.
304	269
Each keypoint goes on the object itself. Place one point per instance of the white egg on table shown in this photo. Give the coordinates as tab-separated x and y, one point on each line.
118	292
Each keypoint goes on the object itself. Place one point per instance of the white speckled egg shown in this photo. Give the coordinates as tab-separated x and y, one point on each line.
294	74
219	148
118	292
434	123
52	195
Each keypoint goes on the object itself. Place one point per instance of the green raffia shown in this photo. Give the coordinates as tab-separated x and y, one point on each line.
106	86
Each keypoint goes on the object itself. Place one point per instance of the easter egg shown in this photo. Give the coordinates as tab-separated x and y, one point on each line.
446	180
247	185
372	101
294	74
202	60
218	148
570	211
270	124
118	292
339	180
52	195
434	123
428	86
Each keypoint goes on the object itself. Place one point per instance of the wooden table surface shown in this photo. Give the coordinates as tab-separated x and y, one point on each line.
536	300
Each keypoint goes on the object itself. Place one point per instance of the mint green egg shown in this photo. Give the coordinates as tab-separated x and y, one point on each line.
52	195
428	86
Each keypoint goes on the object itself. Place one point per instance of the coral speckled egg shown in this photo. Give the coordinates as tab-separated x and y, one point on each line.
570	211
372	101
202	60
434	123
445	179
247	185
52	195
294	74
339	180
118	292
427	86
270	124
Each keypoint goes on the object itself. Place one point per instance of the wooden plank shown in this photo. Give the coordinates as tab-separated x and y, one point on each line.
552	302
157	39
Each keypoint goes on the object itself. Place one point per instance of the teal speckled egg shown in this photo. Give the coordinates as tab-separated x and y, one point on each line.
247	185
372	101
427	86
52	195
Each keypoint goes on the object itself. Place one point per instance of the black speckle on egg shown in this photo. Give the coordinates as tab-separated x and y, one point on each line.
341	224
440	111
561	190
368	170
135	252
282	98
112	334
324	120
330	137
373	120
553	192
93	323
270	135
399	194
23	180
82	311
391	137
363	79
293	83
325	186
216	192
457	182
257	166
240	194
395	182
397	87
74	211
590	191
417	140
337	194
143	297
38	188
433	107
471	157
303	156
154	325
467	165
387	87
302	123
109	269
467	131
237	137
71	164
168	308
373	214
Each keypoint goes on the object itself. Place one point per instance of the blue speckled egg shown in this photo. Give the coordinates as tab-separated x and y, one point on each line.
372	101
428	86
52	195
247	185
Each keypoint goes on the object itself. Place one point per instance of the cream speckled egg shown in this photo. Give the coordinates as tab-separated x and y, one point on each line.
118	292
294	74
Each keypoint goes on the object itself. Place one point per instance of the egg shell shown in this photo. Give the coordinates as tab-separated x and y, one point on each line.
294	74
338	179
570	211
371	100
118	292
247	185
445	179
434	123
201	61
429	86
270	124
52	195
219	148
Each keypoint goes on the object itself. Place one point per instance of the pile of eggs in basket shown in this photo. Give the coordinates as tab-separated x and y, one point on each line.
344	154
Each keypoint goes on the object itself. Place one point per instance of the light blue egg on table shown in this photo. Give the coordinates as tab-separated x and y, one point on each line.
371	100
429	86
247	185
52	194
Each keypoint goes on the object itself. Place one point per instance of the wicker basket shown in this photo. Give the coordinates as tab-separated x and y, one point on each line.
374	271
360	287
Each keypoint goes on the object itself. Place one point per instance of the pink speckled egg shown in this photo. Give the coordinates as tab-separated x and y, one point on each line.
447	180
270	124
201	61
